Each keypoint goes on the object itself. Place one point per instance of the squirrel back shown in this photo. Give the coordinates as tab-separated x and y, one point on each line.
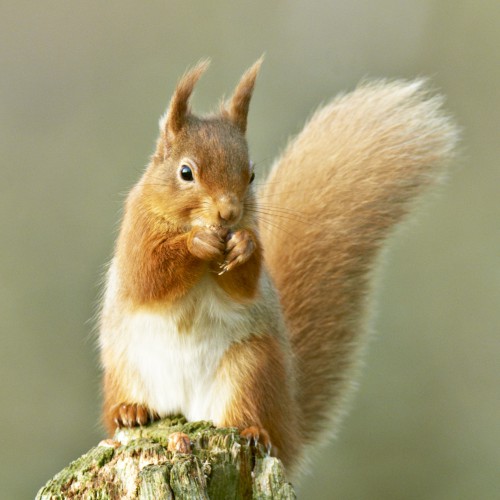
342	185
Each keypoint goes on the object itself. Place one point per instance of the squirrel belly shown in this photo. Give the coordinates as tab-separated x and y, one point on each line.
171	353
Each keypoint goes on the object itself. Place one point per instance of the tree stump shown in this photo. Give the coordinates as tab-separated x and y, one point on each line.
136	463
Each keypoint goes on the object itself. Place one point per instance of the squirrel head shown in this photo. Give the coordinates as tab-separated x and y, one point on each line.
200	173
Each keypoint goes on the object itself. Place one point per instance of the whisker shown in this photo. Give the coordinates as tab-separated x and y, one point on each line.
285	213
260	162
273	224
279	216
274	208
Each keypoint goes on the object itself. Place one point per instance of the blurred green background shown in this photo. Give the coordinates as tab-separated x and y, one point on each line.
82	86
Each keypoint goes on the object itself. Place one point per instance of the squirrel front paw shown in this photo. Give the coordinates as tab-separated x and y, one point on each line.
206	243
132	415
239	247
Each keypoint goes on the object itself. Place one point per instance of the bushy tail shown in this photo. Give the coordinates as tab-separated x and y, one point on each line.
334	196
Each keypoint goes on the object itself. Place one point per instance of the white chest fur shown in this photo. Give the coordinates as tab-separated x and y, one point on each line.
175	367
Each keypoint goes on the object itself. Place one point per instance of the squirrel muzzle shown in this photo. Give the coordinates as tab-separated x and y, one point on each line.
229	210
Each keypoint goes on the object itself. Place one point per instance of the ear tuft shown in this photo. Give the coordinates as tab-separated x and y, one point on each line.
237	108
178	109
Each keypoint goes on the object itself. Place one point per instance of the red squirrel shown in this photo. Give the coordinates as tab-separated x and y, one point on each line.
249	307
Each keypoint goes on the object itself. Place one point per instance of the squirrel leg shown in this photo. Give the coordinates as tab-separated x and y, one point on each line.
261	402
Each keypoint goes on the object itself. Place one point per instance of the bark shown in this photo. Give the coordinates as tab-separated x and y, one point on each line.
137	464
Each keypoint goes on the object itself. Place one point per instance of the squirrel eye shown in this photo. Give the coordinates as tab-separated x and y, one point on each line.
252	177
186	173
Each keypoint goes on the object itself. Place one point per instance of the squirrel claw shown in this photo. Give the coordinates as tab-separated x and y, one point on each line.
256	435
223	268
132	415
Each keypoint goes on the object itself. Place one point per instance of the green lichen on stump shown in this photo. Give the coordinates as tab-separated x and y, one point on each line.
137	464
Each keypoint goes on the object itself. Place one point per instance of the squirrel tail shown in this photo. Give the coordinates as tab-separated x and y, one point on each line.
326	211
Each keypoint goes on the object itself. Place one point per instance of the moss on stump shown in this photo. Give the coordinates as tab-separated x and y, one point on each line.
136	464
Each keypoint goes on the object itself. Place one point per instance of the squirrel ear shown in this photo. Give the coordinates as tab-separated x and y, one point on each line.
178	108
237	109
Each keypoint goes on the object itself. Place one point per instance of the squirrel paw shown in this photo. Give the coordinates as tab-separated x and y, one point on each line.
178	442
257	435
239	247
207	244
132	415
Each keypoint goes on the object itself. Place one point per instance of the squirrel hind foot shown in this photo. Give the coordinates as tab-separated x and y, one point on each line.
257	435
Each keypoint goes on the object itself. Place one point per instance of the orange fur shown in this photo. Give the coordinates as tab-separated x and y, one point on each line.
238	106
116	396
178	109
154	257
259	375
284	357
242	285
176	234
373	151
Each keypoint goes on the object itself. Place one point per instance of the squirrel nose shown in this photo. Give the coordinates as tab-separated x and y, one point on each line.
229	210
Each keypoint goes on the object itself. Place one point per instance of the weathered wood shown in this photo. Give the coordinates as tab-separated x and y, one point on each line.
137	464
